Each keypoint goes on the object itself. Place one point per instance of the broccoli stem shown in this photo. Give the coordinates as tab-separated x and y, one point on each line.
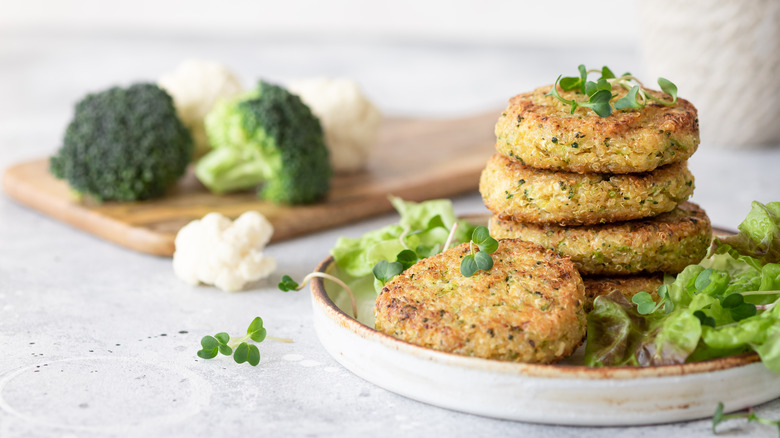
227	169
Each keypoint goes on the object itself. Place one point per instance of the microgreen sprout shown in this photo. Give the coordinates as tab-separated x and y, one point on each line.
763	307
737	306
237	346
645	304
750	415
600	95
288	284
481	260
386	270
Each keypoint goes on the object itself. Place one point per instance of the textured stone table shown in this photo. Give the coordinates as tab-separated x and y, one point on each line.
100	341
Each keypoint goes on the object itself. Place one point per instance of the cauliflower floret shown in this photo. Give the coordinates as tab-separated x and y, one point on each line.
216	251
195	87
349	120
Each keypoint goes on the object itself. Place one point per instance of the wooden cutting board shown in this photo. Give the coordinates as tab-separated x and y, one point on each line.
415	159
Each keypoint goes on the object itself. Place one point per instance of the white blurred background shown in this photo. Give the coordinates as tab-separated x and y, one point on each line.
463	21
417	58
432	58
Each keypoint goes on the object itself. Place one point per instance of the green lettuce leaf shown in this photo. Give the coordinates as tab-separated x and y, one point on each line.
725	305
423	227
618	335
769	350
759	234
615	329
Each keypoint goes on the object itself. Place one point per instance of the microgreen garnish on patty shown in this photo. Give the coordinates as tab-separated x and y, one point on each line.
600	95
481	260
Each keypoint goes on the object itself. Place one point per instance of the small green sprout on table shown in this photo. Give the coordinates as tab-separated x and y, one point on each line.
288	284
238	347
750	415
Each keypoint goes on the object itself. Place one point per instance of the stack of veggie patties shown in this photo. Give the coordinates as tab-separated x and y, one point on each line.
608	192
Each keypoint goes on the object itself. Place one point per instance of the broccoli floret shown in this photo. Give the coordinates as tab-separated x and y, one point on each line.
124	144
267	137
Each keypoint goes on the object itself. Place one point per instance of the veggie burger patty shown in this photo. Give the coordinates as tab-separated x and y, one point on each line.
521	193
528	307
665	243
539	130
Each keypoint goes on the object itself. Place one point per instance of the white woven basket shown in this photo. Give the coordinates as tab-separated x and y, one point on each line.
724	56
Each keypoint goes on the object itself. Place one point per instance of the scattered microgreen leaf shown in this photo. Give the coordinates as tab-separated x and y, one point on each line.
583	76
629	100
210	347
742	311
599	92
435	222
599	103
254	355
569	83
719	417
554	93
592	88
468	266
481	260
384	271
287	284
247	353
407	258
669	88
256	331
481	236
644	303
704	319
238	347
663	294
424	251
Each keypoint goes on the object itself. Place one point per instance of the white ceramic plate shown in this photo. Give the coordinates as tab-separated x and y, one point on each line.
553	394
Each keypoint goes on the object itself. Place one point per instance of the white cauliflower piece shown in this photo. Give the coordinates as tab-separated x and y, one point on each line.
227	254
195	87
349	120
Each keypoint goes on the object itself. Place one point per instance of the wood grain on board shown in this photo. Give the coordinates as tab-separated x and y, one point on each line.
415	159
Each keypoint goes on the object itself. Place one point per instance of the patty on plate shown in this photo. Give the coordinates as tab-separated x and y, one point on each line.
539	130
521	193
628	286
665	243
528	307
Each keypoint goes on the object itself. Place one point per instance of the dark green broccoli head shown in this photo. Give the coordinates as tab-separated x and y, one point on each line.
267	137
124	144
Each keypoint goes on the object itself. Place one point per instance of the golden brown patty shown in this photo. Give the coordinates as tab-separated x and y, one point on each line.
526	308
538	130
628	286
665	243
521	193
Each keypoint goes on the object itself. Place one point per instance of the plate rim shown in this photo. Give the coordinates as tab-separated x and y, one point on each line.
556	371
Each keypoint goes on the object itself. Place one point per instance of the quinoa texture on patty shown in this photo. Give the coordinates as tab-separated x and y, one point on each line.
665	243
539	131
528	307
521	193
